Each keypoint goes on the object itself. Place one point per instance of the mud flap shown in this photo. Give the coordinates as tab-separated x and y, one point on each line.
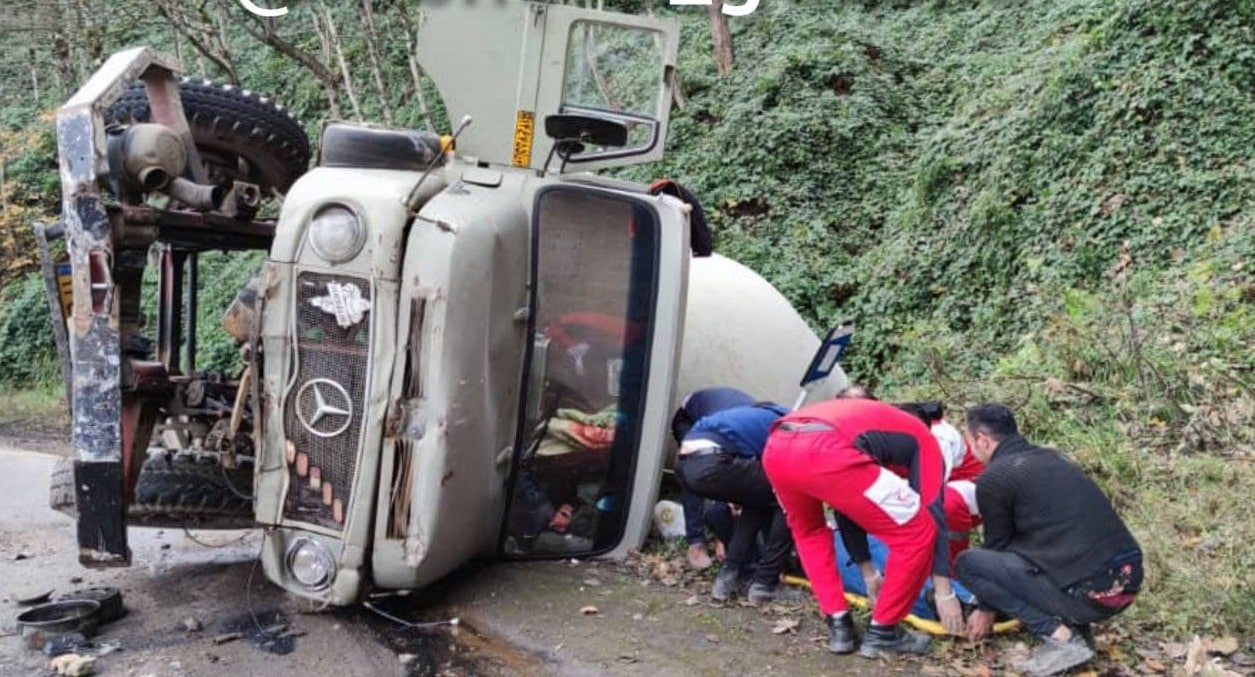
101	514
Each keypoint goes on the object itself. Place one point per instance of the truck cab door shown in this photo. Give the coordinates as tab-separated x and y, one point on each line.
609	273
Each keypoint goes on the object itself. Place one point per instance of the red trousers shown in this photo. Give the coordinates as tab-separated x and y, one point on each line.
808	468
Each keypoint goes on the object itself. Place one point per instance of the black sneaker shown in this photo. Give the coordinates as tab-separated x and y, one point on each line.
841	634
726	584
892	640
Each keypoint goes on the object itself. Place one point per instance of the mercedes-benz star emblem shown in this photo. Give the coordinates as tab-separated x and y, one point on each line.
323	401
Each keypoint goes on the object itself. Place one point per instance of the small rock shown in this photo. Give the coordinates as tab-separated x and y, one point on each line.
406	658
212	658
638	617
75	580
693	601
592	582
589	610
176	665
165	546
713	639
74	665
21	556
191	625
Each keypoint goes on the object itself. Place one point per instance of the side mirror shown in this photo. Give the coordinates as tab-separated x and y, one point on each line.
571	134
826	358
586	129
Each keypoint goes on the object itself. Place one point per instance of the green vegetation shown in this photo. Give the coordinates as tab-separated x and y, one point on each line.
1049	204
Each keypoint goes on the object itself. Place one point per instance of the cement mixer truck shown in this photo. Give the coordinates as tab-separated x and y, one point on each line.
450	336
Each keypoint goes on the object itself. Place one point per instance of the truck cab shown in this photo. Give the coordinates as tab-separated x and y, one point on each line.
458	346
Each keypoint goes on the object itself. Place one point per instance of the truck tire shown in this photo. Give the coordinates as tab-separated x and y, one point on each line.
194	487
176	488
240	134
61	488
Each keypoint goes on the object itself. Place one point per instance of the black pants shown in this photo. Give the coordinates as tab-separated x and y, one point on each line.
724	476
1012	585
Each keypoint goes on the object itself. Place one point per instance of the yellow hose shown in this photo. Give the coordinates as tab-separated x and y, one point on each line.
923	624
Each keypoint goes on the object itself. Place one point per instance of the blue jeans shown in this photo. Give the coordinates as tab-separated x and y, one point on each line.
694	517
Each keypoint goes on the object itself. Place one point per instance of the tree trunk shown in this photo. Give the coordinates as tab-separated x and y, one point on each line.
265	34
720	37
416	71
376	68
333	38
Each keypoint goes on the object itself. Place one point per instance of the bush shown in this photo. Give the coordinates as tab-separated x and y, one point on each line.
28	352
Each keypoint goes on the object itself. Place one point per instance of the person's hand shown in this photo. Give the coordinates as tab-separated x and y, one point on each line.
979	624
951	614
721	552
873	583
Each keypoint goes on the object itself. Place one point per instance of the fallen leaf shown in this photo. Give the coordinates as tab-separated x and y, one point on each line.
1152	665
1087	673
785	625
1116	654
1174	649
589	610
1223	646
712	639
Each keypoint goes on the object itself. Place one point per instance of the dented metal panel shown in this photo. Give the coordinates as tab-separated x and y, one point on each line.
95	327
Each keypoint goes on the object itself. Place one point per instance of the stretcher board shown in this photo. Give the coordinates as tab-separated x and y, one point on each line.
921	624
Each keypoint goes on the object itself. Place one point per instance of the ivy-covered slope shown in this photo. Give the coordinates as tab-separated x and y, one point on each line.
946	166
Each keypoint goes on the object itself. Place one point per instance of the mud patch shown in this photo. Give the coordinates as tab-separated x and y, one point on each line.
265	629
439	648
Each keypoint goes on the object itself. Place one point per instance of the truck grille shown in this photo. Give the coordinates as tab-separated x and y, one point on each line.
324	408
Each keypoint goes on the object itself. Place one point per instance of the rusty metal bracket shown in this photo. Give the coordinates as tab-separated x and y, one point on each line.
103	308
52	287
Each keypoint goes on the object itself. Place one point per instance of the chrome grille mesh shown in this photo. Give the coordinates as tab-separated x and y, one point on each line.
331	367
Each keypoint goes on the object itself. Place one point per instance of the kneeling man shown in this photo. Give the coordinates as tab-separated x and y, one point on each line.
1056	554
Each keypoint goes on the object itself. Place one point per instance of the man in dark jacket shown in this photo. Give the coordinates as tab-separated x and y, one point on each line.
719	459
1056	554
697	405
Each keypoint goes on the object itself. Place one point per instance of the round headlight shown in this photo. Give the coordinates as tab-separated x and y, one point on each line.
336	234
311	564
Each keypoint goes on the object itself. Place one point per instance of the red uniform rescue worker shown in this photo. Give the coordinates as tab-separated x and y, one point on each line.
880	468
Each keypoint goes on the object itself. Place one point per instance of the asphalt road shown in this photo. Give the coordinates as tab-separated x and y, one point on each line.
515	618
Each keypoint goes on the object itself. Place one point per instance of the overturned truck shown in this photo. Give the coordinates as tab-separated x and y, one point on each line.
451	341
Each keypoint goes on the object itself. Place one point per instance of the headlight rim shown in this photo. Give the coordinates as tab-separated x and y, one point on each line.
322	552
359	237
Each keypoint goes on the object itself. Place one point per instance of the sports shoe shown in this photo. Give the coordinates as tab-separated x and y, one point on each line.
762	593
698	559
726	584
892	640
841	634
1054	657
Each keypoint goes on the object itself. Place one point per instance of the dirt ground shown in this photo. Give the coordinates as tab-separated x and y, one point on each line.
514	618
